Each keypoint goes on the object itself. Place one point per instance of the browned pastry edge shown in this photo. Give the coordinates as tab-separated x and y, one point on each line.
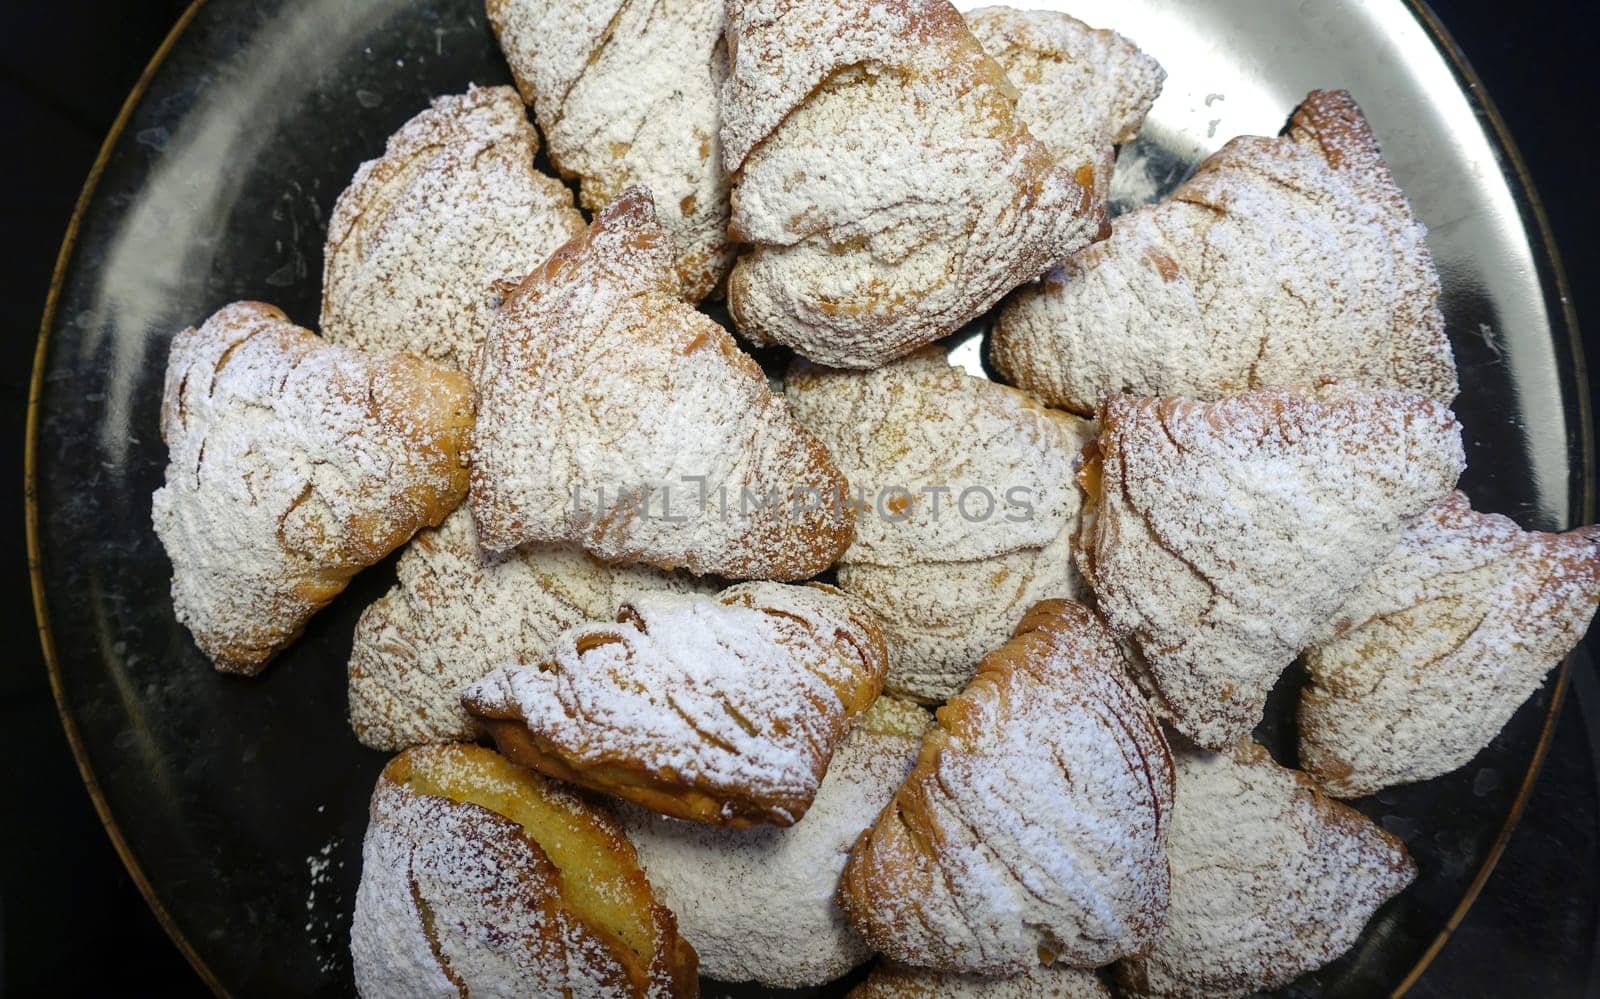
779	549
908	823
674	965
663	790
317	579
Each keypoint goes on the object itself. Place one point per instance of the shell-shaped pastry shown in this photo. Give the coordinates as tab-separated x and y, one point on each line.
1223	536
419	241
882	176
293	464
481	878
781	927
626	93
1270	879
1081	91
1043	981
615	416
456	613
1032	828
1287	261
720	709
967	507
1443	642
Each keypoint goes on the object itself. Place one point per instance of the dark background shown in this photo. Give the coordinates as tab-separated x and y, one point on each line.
71	921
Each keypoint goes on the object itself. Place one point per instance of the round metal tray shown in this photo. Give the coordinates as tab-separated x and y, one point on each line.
239	805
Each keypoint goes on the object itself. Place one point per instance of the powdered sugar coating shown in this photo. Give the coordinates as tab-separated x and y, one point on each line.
942	618
626	93
421	236
459	900
1270	879
913	438
1228	533
456	613
1044	981
292	465
1033	825
889	192
615	416
721	709
1288	261
758	904
1081	91
1443	642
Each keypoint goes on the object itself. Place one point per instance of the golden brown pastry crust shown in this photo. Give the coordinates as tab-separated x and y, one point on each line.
292	465
723	710
460	894
1033	825
614	416
887	188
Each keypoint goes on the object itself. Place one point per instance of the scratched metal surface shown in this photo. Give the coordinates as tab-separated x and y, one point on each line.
244	802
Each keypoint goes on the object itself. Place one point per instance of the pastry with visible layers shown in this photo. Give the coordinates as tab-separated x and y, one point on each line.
1283	262
721	709
456	613
614	416
1222	537
881	172
420	239
1081	91
1032	829
481	878
1270	879
1441	645
293	464
967	507
781	926
1044	981
626	94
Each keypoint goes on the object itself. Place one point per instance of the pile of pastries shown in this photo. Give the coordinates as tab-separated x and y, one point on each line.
1225	445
